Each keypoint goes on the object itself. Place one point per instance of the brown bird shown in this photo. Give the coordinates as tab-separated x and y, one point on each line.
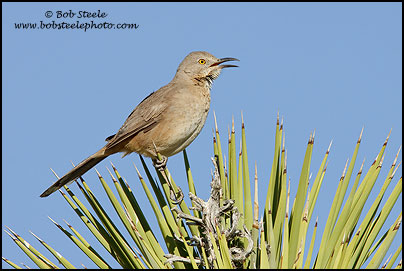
167	120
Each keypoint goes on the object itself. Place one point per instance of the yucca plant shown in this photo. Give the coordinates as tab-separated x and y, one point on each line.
226	230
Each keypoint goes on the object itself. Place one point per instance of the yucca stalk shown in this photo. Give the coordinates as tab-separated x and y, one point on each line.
225	230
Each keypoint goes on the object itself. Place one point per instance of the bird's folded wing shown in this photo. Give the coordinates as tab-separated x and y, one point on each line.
143	118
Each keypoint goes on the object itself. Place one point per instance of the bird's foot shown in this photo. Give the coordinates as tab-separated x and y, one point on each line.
160	164
176	199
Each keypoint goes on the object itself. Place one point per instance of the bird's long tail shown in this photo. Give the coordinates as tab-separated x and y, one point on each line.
76	172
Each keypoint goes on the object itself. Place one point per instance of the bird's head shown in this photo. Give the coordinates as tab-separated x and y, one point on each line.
203	66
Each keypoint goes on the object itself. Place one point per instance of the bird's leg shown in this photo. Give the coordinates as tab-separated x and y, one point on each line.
160	165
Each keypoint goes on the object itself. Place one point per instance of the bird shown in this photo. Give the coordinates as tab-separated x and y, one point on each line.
164	122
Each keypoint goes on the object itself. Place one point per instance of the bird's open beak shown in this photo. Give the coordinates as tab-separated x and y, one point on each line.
222	60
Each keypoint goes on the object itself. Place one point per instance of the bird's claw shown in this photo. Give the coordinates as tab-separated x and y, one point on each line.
160	164
176	199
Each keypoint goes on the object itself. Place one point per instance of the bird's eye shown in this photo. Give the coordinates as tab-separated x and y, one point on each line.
202	61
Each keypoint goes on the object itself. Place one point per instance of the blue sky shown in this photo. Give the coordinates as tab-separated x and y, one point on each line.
329	67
